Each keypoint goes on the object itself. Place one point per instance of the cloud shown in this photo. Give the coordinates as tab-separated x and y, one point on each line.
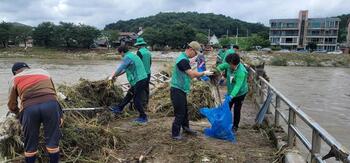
102	12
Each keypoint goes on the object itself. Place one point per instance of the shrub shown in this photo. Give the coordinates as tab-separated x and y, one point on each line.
279	61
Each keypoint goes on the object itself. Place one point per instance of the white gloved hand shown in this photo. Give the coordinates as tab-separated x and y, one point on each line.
111	77
208	73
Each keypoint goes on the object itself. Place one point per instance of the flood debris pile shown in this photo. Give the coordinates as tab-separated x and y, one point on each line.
83	139
200	96
10	137
90	94
167	69
86	139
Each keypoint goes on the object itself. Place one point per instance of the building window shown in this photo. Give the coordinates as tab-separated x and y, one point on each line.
315	24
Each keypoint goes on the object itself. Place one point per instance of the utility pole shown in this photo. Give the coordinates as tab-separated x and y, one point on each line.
237	36
209	34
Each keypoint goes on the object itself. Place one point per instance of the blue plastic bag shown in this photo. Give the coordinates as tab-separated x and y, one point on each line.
220	119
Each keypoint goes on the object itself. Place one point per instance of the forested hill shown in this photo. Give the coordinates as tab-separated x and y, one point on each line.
200	22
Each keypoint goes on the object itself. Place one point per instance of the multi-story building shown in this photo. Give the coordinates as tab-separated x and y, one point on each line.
298	33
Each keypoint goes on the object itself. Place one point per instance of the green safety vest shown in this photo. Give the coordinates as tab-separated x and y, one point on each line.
181	79
236	80
135	71
146	59
221	55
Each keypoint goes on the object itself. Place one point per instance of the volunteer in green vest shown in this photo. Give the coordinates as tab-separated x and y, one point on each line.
146	57
137	77
227	52
180	87
236	81
221	55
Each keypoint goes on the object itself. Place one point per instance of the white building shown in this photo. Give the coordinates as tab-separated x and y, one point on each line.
213	40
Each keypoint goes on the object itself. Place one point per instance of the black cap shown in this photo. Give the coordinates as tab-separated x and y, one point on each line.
235	47
17	66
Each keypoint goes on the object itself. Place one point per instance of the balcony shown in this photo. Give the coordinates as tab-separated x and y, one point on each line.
283	28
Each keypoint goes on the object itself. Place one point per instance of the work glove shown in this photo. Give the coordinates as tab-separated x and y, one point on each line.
208	73
61	122
111	77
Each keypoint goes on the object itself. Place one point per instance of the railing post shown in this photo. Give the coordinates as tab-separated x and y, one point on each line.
291	133
255	87
278	105
316	145
256	92
278	101
268	105
277	118
261	92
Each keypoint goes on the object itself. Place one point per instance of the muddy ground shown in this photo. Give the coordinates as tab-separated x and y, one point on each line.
152	142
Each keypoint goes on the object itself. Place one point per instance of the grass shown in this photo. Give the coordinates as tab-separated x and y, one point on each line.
279	61
313	60
56	53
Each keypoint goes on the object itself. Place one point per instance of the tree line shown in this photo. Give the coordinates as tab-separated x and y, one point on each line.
163	29
176	29
13	32
48	34
201	22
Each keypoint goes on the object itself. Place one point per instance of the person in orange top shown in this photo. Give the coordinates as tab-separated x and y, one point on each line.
37	104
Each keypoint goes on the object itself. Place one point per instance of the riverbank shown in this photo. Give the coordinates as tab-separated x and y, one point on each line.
299	59
53	53
78	54
273	58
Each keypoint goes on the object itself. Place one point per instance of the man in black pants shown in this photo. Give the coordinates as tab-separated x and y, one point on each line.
180	87
135	71
237	86
238	102
146	57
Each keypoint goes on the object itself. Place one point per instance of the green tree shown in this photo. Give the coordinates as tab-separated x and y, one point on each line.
86	35
311	46
263	34
176	36
44	34
5	33
66	34
245	43
343	25
179	35
227	41
20	34
202	38
201	22
111	35
152	36
257	40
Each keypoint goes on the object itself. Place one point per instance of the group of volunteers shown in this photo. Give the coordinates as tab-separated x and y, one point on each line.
38	101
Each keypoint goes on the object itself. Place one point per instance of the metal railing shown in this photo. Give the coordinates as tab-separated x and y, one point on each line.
261	88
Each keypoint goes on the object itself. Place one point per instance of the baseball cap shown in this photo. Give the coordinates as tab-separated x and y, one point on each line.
18	65
195	45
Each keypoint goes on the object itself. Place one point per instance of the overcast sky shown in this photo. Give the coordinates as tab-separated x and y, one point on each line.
101	12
